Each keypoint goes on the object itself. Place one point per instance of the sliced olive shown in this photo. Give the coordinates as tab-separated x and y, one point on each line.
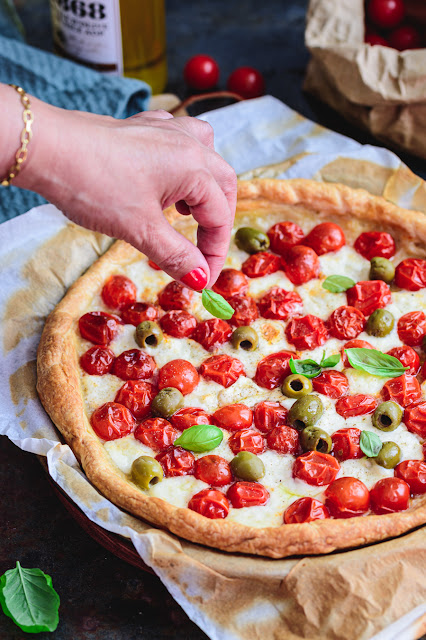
387	416
148	334
305	412
167	402
296	386
247	466
380	323
251	240
389	455
381	269
245	338
315	439
146	472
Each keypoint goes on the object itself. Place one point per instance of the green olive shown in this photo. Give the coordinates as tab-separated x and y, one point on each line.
167	402
389	455
245	338
315	439
247	466
387	416
251	240
380	323
146	472
296	386
305	412
148	334
381	269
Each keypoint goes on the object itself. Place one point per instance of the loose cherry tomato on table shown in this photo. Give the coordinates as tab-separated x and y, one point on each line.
118	292
325	237
346	444
357	405
405	37
214	470
99	327
137	396
133	365
176	462
222	369
374	39
411	274
333	384
283	439
354	344
174	296
272	369
346	323
246	440
301	264
247	494
403	390
178	323
97	361
389	495
138	312
386	14
413	472
369	295
316	468
188	417
372	244
305	510
308	332
112	421
201	72
247	82
210	503
415	418
268	415
233	417
261	264
180	374
279	304
284	235
412	328
231	282
347	497
156	433
245	311
407	357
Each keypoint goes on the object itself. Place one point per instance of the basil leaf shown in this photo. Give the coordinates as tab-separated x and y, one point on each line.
370	444
337	284
28	597
200	438
308	368
331	361
375	362
216	304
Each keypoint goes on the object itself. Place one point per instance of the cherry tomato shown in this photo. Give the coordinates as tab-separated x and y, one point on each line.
118	292
411	274
403	390
112	421
246	82
358	405
222	369
233	417
137	396
283	439
178	323
156	433
389	495
386	14
284	235
279	304
246	440
346	444
415	418
354	344
412	328
369	295
261	264
325	237
405	37
308	332
272	369
231	282
247	494
201	72
245	311
99	327
212	333
176	462
414	474
372	244
346	323
305	510
333	384
407	357
97	361
214	470
188	417
374	39
133	365
316	468
210	504
174	296
180	374
138	312
347	497
301	264
268	415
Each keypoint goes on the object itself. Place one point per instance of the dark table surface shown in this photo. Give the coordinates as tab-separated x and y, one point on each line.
110	599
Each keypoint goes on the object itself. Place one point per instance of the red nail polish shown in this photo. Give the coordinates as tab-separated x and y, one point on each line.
196	279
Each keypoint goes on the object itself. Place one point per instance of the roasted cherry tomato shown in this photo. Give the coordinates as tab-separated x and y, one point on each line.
133	365
214	470
405	37
284	235
372	244
178	323
414	474
403	390
97	361
308	332
201	72
357	405
316	468
279	304
354	344
333	384
176	462
283	439
180	374
407	357
268	415
346	444
346	323
261	264
246	82
411	274
245	311
222	369
247	494
412	328
246	440
389	495
210	503
137	396
301	264
369	295
112	421
156	433
138	312
347	497
188	417
272	369
212	333
231	282
174	296
118	292
99	327
375	38
415	418
233	417
325	237
305	510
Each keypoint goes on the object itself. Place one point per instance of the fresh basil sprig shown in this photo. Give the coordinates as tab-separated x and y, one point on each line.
200	438
337	284
311	369
370	444
28	597
216	304
375	362
331	361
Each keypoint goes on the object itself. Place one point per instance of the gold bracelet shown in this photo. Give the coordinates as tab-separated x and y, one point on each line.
26	135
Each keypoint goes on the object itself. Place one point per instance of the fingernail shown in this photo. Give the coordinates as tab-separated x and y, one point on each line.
196	279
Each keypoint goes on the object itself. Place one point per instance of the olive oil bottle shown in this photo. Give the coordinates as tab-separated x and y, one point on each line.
119	37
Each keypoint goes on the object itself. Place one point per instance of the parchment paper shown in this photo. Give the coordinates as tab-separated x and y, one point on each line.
377	592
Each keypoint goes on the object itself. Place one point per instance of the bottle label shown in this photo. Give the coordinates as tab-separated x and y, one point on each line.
89	32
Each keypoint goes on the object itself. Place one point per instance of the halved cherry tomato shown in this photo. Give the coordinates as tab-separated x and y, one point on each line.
112	421
354	344
97	361
245	311
389	495
233	417
283	439
178	323
137	396
346	323
347	497
272	369
405	37
268	415
413	472
176	462
247	494
214	470
346	444
415	418
333	384
212	333
156	433
231	282
210	503
284	235
261	264
412	328
99	327
371	244
325	237
222	369
133	365
118	292
305	510
407	357
308	332
188	417
369	295
246	440
246	82
411	274
403	390
279	304
174	296
358	405
386	13
201	72
180	374
301	264
138	312
316	468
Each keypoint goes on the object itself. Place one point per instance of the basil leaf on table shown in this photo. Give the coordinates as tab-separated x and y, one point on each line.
216	304
338	284
370	444
28	597
375	362
200	438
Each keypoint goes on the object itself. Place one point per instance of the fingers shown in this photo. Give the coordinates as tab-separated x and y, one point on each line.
199	129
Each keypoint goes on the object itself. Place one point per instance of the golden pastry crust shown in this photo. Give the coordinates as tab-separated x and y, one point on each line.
60	392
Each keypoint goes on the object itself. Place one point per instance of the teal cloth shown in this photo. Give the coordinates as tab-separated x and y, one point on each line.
61	83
